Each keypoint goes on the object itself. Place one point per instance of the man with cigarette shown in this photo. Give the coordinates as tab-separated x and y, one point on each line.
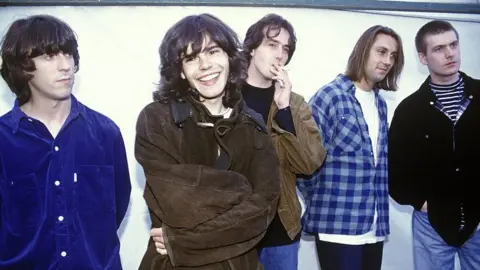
269	45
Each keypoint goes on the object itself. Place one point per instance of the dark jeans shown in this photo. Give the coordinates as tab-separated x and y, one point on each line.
333	256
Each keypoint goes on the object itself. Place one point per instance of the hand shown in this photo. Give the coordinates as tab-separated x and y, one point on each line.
283	86
157	235
424	207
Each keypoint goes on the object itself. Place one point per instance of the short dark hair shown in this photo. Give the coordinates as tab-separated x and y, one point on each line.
431	28
28	38
268	27
194	29
361	52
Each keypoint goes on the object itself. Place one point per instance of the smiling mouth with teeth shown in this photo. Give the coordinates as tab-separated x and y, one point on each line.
209	77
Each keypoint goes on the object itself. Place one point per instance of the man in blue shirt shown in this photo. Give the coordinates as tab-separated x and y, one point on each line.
64	180
347	199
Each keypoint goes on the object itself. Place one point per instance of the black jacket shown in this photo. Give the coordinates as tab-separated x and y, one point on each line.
431	159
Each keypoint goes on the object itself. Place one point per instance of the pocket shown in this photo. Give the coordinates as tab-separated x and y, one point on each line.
348	136
94	189
23	204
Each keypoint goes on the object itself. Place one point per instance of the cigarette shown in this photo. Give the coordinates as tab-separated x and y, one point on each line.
281	83
285	68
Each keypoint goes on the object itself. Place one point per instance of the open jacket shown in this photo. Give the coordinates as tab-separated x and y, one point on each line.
302	153
213	190
433	160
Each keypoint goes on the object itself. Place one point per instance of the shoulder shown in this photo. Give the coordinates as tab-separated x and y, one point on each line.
256	118
101	122
155	114
296	101
332	92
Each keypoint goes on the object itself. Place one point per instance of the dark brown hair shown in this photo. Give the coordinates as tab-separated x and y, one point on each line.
193	30
28	38
431	28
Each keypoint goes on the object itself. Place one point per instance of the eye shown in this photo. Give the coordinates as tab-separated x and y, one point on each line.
189	60
272	45
214	51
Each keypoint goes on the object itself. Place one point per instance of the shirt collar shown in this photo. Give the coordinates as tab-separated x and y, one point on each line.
347	85
18	115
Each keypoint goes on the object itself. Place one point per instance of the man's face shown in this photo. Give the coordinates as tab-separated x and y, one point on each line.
207	71
53	76
442	54
381	58
271	51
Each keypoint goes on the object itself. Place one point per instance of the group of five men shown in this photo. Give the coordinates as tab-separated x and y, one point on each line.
226	143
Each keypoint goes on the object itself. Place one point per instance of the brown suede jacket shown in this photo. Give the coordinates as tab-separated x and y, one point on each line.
300	154
213	188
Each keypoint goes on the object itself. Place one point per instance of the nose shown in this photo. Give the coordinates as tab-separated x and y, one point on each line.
279	54
448	52
63	62
388	60
205	63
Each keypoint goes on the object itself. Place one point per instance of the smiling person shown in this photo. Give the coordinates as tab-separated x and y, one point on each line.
347	199
212	173
434	155
269	46
64	180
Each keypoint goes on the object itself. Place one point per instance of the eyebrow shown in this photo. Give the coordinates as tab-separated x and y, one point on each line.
278	42
385	48
210	47
445	45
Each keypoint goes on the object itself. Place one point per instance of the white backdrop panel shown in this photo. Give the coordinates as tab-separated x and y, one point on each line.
119	68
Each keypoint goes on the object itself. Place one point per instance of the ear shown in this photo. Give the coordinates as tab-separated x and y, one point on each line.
252	53
423	58
182	75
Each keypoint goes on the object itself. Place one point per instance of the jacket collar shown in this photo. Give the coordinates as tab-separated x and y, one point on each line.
181	111
471	89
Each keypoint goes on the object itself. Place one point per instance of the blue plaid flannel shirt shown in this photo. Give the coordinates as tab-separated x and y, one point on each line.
340	197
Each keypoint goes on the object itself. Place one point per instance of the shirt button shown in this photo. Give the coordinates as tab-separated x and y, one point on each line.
56	148
29	119
57	183
457	169
60	218
431	102
426	136
63	254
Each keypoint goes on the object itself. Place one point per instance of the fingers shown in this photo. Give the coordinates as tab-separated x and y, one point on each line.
156	232
160	247
162	251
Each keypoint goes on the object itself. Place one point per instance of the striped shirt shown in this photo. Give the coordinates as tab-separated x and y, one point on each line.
449	97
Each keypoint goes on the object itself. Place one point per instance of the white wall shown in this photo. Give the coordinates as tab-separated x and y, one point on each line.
118	69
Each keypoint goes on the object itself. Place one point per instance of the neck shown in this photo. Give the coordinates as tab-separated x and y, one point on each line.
443	80
214	106
51	112
364	85
255	78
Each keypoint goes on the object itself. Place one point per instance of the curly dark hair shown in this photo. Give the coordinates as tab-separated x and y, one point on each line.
28	38
194	30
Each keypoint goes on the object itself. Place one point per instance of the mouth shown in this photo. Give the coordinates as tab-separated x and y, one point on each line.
209	79
383	70
65	80
450	64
